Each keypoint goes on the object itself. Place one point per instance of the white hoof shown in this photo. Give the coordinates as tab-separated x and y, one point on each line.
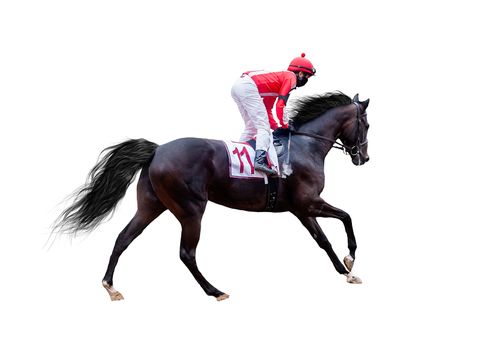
353	279
222	297
113	293
349	261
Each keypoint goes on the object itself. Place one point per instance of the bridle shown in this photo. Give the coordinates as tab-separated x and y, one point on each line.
351	150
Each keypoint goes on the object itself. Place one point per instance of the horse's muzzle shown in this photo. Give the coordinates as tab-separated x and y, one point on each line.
360	159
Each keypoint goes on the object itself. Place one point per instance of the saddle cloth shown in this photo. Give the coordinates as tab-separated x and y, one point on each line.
241	160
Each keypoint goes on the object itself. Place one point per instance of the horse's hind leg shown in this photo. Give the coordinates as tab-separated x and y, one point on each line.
149	208
135	227
191	229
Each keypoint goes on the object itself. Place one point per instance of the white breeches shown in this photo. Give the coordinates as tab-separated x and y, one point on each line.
250	104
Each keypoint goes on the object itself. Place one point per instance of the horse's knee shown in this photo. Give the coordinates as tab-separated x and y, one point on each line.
345	218
187	256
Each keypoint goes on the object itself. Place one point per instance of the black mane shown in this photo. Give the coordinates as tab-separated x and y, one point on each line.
307	108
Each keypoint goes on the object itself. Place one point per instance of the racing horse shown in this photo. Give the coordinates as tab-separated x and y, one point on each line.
183	175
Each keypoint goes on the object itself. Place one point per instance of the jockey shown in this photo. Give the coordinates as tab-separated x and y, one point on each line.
255	93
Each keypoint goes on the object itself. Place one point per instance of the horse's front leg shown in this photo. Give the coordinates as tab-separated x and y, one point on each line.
329	211
319	236
318	207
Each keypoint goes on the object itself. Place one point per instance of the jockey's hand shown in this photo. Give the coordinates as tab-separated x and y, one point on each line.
291	126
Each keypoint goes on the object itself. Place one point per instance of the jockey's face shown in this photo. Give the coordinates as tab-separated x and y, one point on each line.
302	78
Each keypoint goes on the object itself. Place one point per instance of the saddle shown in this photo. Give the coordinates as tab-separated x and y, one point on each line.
280	143
238	154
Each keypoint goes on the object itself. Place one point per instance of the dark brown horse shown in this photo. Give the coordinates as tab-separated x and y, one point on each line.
183	175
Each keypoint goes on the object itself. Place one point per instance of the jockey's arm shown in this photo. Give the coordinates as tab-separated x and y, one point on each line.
280	107
272	122
288	84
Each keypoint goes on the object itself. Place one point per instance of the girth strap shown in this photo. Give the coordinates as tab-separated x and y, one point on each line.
272	192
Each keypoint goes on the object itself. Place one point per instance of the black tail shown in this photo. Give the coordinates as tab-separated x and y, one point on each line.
106	185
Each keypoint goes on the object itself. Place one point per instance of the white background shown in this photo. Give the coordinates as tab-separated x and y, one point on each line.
76	77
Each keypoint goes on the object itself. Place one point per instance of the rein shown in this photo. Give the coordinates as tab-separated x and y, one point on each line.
337	144
352	150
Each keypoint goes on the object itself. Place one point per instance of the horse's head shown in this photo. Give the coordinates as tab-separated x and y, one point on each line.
351	128
354	136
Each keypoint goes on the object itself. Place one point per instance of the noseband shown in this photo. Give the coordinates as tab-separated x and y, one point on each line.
355	150
351	150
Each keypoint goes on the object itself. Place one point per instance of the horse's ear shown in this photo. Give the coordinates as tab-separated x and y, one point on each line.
365	103
355	99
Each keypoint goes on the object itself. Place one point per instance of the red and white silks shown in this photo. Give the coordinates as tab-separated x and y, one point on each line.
255	93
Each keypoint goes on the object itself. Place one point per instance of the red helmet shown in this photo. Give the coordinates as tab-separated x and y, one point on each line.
302	64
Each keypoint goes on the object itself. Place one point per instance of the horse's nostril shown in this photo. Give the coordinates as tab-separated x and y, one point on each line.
368	158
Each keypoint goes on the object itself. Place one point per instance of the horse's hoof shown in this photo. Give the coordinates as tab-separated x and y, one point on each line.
114	294
353	279
222	297
349	261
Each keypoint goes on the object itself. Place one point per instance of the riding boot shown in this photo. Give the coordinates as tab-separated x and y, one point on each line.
261	163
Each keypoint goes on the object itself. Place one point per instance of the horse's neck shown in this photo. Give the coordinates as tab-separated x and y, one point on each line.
329	126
